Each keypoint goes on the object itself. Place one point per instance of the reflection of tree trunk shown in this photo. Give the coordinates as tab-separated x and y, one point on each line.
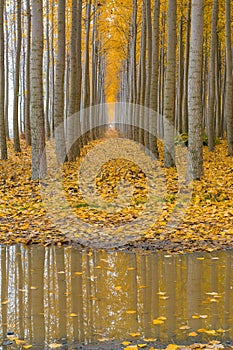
145	301
4	294
29	259
60	264
37	289
133	299
194	273
76	294
89	310
170	287
154	287
227	294
20	284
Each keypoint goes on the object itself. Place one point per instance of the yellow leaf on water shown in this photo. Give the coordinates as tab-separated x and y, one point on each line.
172	347
55	346
131	347
162	318
131	312
19	342
149	340
118	288
125	343
27	346
157	322
141	346
193	334
73	314
137	334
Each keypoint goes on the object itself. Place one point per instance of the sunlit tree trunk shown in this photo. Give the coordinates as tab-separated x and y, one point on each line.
37	110
16	81
195	157
228	110
3	145
169	94
59	86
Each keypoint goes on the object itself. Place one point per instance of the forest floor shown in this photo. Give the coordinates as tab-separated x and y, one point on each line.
207	223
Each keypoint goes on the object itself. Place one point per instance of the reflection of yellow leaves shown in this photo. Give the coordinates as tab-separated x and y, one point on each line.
184	327
20	342
118	288
157	322
55	346
130	312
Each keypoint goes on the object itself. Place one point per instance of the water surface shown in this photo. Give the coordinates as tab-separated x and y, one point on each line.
68	295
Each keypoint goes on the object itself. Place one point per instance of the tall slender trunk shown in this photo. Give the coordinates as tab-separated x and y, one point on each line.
154	80
195	148
228	110
16	80
186	65
212	77
28	78
59	87
3	145
37	110
169	94
6	111
47	123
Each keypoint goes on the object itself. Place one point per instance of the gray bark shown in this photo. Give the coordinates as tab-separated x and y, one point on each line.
37	112
195	148
59	86
3	145
169	94
16	80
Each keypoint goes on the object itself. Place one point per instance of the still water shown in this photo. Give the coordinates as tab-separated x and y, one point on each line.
64	294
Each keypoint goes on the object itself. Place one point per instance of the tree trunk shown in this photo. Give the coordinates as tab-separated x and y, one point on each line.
59	86
169	94
3	145
16	81
212	77
47	123
37	113
28	78
154	80
228	110
186	66
73	84
6	111
195	149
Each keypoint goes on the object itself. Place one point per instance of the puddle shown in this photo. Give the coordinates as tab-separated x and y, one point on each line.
69	296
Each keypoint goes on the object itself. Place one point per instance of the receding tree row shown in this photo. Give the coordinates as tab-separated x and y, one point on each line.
59	58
